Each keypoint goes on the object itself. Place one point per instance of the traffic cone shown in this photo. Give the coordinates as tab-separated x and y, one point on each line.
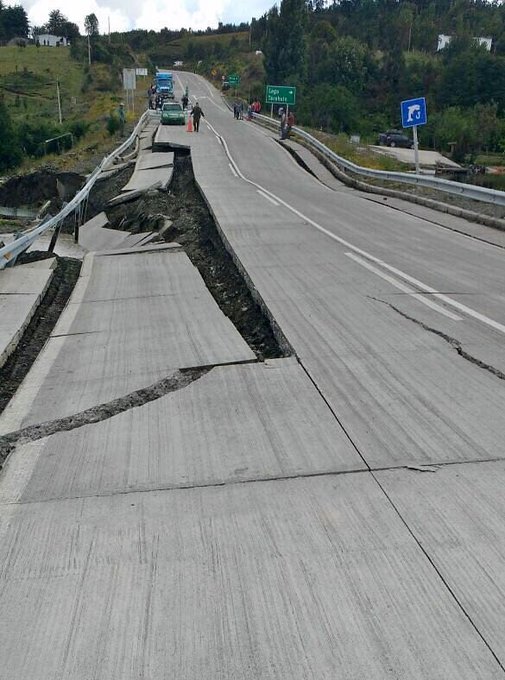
190	125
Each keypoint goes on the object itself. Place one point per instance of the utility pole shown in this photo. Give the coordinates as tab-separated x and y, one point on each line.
89	51
60	120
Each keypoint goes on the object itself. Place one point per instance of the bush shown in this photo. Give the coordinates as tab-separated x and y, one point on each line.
79	128
113	124
32	135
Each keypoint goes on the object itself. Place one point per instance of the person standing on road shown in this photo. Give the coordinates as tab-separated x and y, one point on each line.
197	113
290	122
284	123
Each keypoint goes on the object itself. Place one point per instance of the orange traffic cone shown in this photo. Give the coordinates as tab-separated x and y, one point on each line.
190	125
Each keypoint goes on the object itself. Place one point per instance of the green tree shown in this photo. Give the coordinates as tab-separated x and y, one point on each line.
348	60
13	22
59	25
286	43
489	127
455	127
337	109
56	23
470	76
91	24
10	148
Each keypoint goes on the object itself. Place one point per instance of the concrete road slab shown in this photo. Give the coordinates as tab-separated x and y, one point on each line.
21	290
145	143
156	159
366	343
236	423
141	248
178	134
163	271
26	279
101	239
414	408
144	179
405	394
94	236
127	334
458	515
136	239
308	578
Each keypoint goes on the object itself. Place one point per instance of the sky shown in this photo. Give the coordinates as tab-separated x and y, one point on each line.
125	15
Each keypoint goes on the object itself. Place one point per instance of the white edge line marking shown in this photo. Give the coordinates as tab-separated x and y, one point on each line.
427	289
403	287
233	169
267	197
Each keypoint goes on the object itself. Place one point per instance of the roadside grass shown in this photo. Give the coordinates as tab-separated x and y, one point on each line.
491	159
90	94
28	78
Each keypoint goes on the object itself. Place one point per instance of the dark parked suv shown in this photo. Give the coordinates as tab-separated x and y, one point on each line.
395	138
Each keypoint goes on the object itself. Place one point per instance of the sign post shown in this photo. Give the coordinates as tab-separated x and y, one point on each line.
413	114
130	85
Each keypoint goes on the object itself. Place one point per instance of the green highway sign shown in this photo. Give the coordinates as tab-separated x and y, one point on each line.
280	94
234	79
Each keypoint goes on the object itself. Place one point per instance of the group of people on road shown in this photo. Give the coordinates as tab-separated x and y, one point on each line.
253	107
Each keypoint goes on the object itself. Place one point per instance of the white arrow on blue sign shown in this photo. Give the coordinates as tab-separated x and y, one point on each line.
414	112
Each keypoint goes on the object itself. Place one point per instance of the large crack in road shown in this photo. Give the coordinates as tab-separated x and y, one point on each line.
177	381
453	342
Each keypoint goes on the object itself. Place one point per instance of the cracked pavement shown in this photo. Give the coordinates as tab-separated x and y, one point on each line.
260	519
453	342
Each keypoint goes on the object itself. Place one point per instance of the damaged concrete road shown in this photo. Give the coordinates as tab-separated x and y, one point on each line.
265	520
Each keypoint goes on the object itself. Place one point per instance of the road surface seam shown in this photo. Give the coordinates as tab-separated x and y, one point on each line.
438	572
344	430
256	480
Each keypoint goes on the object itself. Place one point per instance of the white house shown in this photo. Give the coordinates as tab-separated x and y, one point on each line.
487	42
51	40
444	40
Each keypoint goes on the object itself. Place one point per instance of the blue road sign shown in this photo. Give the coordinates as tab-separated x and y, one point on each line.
414	112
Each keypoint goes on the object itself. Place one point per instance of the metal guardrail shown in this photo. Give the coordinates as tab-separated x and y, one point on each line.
459	189
12	250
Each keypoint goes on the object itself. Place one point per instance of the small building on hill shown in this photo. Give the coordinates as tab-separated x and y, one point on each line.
46	39
444	40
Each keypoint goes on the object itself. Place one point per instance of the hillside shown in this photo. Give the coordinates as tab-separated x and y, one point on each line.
89	95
